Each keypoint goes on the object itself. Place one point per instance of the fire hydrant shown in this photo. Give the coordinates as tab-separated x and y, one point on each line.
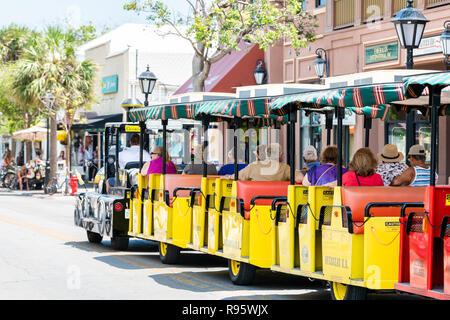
73	183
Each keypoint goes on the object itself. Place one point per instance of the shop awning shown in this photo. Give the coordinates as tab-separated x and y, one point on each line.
370	100
416	85
98	123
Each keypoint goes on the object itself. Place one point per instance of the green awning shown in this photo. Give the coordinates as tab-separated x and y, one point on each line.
368	100
415	85
257	109
163	112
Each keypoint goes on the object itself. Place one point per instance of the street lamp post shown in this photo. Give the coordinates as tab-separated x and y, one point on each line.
260	73
409	24
147	81
321	65
445	42
48	99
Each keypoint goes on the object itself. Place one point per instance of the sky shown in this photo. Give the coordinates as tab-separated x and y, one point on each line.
37	14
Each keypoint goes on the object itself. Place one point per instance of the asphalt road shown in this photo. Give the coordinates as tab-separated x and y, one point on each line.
44	256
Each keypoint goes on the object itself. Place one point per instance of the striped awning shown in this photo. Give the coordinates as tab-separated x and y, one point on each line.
163	112
415	86
370	100
257	109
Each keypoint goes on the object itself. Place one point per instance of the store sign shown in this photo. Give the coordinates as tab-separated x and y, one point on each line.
349	119
381	52
428	45
110	84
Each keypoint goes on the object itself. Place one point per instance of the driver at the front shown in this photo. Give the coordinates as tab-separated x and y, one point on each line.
131	154
127	155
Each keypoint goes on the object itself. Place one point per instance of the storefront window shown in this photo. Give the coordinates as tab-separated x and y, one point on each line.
395	131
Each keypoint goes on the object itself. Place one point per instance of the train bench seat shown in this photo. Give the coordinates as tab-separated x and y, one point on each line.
184	183
357	199
247	190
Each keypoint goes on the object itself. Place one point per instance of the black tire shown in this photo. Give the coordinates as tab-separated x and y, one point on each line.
169	254
94	237
340	291
241	273
120	243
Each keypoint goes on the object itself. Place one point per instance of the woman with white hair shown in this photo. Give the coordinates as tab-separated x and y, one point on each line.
228	169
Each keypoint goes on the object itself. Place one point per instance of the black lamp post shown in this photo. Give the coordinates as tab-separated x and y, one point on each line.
147	81
321	65
48	99
409	24
445	42
260	73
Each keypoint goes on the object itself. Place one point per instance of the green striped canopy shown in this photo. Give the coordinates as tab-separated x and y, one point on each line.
257	109
368	100
163	112
415	85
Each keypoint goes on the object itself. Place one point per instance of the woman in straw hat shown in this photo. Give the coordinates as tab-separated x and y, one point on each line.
391	166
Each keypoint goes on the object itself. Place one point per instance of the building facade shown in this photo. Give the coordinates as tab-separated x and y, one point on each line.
358	37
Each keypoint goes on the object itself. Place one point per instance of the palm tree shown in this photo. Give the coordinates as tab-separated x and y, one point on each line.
49	65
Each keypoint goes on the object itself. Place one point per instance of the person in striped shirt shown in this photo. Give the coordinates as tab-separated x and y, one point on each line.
418	174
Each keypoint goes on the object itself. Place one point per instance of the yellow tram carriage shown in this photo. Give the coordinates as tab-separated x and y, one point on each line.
348	236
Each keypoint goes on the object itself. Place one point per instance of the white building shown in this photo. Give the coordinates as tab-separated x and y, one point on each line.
122	54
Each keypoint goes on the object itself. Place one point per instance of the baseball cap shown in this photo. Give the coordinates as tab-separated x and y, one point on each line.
417	150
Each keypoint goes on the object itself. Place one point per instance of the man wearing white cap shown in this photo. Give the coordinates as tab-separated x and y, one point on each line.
391	166
418	175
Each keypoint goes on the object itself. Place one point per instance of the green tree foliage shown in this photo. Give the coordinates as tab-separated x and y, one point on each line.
216	27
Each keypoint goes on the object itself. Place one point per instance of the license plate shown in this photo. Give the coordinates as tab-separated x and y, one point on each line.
127	213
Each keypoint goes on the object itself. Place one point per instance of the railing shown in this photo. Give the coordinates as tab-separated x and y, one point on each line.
434	3
401	4
373	10
344	13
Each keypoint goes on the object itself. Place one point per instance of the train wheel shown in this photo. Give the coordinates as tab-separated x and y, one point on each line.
241	273
340	291
94	237
169	254
120	243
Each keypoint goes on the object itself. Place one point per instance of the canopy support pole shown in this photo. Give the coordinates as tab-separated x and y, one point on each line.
340	114
164	146
235	148
291	146
141	144
435	93
329	126
367	126
205	124
117	133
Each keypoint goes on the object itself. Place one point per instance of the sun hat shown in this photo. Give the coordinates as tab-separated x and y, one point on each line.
417	150
390	154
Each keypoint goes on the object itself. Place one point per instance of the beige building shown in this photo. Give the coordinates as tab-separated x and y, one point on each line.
124	53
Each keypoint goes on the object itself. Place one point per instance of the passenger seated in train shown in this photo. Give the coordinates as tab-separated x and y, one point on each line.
155	165
391	165
311	160
267	167
324	174
362	170
418	174
228	169
196	166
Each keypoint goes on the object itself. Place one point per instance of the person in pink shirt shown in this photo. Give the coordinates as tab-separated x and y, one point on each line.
362	170
155	165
